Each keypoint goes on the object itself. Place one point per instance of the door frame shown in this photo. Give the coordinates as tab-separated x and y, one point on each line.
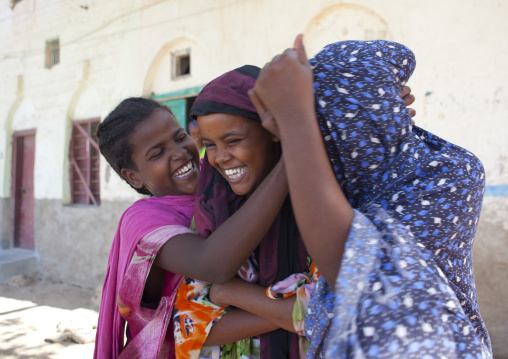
16	136
174	97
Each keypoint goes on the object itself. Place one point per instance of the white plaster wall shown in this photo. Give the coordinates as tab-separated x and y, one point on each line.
461	56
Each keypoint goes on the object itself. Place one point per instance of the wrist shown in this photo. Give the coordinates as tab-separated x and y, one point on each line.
296	119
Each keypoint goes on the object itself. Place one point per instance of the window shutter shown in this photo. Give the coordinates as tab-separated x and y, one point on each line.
84	162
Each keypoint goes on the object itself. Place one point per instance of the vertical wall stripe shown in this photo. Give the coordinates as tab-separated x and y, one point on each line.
496	191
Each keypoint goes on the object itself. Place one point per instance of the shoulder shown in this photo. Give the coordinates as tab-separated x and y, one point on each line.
153	241
148	214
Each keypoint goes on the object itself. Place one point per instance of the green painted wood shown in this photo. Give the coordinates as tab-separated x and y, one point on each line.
188	92
179	109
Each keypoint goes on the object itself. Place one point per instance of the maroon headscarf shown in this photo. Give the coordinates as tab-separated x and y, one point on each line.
281	253
228	94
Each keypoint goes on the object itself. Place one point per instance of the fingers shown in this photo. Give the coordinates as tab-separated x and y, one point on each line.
276	58
298	41
297	52
267	120
300	49
406	90
256	101
409	99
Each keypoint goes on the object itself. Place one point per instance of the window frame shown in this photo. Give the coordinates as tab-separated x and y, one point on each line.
52	57
176	65
85	174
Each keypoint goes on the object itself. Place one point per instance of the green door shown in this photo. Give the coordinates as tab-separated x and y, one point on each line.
179	109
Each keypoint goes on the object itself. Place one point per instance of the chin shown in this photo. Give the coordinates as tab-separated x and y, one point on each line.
242	191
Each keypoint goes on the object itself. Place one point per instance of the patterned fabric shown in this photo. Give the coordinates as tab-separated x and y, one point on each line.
147	334
302	285
249	348
245	349
287	288
194	316
144	227
406	285
228	93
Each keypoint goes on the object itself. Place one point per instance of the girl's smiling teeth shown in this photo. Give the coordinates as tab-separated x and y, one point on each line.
184	170
235	173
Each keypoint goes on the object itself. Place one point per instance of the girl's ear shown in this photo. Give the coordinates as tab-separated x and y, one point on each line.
131	176
275	138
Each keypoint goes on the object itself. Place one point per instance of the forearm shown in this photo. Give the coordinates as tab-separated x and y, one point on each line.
322	211
218	258
237	325
252	298
237	238
323	214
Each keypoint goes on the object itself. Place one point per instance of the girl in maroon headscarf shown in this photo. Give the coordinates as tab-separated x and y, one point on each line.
240	153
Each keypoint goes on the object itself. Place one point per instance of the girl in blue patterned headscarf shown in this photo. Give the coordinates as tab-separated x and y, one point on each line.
405	284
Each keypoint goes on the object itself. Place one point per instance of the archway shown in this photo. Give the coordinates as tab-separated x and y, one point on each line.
344	22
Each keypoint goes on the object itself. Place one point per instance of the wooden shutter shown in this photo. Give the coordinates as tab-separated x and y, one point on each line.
84	162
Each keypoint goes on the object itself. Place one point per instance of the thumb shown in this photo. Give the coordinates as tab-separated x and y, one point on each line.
300	49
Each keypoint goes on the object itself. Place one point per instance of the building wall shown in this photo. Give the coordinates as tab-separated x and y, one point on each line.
71	241
114	49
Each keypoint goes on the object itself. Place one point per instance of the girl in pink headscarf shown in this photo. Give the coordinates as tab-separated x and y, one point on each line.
154	248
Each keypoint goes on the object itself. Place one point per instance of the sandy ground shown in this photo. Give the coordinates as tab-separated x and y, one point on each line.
32	310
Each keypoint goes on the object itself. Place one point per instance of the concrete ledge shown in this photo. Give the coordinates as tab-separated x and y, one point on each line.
17	261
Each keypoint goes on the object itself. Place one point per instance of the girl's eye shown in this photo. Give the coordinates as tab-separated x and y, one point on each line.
233	141
181	138
157	154
208	145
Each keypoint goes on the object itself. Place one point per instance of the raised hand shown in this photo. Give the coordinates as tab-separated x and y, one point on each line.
284	88
267	120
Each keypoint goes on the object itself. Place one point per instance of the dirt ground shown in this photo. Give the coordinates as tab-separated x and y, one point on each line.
32	311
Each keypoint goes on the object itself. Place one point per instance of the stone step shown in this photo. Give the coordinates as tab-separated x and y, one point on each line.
17	261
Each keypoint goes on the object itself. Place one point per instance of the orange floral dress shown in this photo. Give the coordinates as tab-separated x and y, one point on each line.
194	314
193	317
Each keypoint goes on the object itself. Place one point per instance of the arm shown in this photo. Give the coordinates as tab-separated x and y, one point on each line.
323	214
252	298
237	325
218	258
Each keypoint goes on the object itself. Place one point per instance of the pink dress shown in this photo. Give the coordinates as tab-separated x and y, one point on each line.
143	229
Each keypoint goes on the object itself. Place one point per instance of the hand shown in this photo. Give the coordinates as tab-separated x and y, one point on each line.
215	295
219	293
284	88
408	98
267	120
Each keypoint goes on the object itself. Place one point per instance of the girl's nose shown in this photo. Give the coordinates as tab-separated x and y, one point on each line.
179	153
222	156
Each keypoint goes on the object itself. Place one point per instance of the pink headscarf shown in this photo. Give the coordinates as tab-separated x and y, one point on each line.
142	218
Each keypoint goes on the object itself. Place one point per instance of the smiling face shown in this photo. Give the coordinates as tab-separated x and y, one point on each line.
166	158
239	148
